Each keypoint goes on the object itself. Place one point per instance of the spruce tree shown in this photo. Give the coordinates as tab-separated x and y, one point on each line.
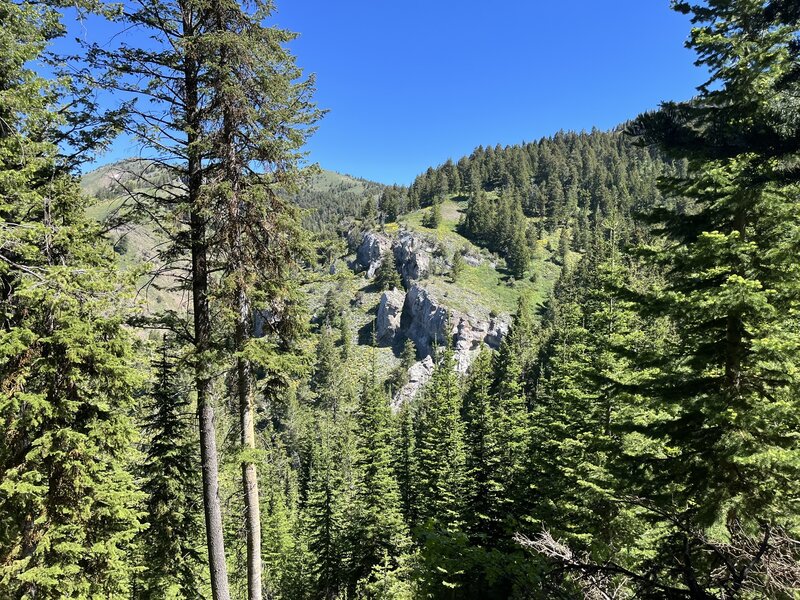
380	534
433	218
327	378
440	448
485	505
512	427
457	267
518	254
244	111
439	482
326	510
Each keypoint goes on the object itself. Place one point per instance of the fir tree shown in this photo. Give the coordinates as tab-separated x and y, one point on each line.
440	448
380	534
69	510
484	507
433	218
325	512
172	541
722	429
457	268
511	410
387	277
327	378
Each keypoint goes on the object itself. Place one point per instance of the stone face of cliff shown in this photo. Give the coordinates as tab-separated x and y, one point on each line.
419	315
429	323
387	320
371	250
412	253
418	375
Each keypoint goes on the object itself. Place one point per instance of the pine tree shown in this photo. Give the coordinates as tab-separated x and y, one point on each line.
69	509
172	541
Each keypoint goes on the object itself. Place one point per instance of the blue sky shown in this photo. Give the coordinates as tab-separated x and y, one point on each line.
409	84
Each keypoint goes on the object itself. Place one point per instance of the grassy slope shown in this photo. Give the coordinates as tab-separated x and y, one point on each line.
486	287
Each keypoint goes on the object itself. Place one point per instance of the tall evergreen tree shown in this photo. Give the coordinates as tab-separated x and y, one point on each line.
244	112
380	534
387	277
485	505
68	370
328	500
439	483
172	541
723	442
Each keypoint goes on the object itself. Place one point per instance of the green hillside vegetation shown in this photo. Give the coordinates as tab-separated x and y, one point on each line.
487	287
633	432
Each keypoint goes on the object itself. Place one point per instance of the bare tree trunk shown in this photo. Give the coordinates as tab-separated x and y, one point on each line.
244	380
202	337
249	474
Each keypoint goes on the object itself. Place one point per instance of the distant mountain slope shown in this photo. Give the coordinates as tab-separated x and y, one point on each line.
328	196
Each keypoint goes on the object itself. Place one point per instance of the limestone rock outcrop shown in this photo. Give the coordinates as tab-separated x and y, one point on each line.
412	253
430	324
387	321
418	375
371	250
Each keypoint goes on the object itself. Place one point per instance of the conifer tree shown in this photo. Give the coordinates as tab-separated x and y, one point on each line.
723	440
433	218
379	532
387	277
457	267
405	466
172	541
440	448
325	512
216	73
485	505
327	378
439	482
511	410
69	509
345	338
399	376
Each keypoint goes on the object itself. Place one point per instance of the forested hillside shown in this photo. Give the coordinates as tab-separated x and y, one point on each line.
560	369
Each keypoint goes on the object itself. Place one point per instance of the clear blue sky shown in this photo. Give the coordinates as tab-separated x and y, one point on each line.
409	84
